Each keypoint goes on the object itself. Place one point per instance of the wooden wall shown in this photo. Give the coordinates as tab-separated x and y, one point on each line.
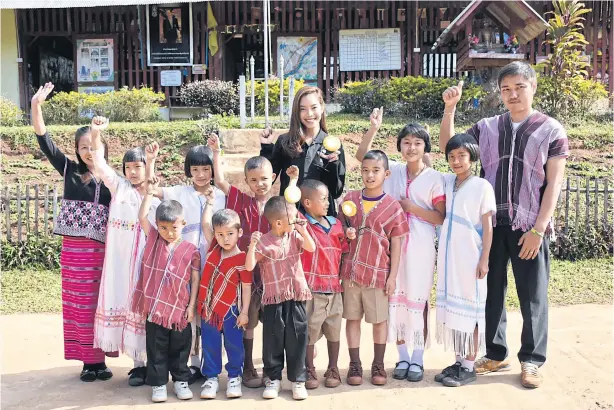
324	18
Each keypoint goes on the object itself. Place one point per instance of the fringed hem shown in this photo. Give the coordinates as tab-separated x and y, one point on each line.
167	323
303	295
413	339
337	288
135	354
462	343
107	346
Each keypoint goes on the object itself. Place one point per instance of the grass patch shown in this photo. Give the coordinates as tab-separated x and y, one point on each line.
587	281
31	291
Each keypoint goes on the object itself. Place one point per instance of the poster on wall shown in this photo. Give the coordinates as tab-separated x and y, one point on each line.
95	60
300	58
169	34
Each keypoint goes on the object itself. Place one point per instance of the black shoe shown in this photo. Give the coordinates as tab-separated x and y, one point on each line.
196	374
137	376
103	372
88	375
448	371
461	377
400	374
415	376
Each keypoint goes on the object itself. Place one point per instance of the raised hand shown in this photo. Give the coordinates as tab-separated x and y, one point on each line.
152	184
267	136
376	117
255	238
210	194
151	151
99	123
350	233
42	94
451	96
213	142
293	172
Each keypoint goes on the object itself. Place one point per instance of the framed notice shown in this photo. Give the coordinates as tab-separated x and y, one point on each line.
170	78
169	34
370	49
300	57
96	62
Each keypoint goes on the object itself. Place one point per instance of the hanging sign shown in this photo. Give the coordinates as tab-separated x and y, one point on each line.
170	78
169	34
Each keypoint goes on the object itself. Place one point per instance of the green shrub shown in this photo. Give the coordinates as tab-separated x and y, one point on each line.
214	96
136	105
411	97
40	253
273	94
10	114
568	98
585	243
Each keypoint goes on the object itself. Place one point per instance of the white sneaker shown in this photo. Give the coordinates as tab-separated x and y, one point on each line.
233	388
299	392
210	388
158	394
182	390
271	389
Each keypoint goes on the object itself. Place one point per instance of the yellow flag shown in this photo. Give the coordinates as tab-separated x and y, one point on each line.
212	26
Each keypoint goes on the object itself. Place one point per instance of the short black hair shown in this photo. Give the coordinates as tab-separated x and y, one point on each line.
169	210
377	155
464	141
517	68
276	208
198	156
133	155
309	186
256	163
415	130
226	217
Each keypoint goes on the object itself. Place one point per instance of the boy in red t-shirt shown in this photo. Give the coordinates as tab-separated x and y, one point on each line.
321	268
259	177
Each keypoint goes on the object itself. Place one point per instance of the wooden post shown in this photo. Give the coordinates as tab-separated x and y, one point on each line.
36	206
27	209
596	209
18	195
55	204
46	214
587	198
606	194
577	221
7	212
567	191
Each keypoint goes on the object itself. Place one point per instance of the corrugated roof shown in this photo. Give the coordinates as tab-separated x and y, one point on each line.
502	11
57	4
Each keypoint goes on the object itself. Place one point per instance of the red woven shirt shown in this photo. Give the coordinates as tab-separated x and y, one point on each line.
251	220
280	268
220	285
322	266
368	262
162	290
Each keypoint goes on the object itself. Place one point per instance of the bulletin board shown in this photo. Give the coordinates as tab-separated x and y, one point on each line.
370	49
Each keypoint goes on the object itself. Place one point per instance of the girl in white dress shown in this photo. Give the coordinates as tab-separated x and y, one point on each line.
462	261
198	166
116	328
420	191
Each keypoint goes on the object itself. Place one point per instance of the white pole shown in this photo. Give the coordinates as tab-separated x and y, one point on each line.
281	87
242	100
253	80
266	63
290	96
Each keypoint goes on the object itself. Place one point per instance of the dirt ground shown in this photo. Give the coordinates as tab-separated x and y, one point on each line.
578	374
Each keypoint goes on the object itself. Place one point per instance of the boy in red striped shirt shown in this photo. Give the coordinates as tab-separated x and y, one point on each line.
321	268
259	177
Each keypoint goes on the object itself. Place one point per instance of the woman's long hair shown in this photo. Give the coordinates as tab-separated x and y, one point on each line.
293	143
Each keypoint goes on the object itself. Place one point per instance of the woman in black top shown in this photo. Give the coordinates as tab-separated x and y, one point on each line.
82	222
302	146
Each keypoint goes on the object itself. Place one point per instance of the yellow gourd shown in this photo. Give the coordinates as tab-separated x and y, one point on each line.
292	193
332	144
348	208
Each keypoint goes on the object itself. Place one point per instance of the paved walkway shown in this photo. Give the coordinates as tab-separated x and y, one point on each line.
578	374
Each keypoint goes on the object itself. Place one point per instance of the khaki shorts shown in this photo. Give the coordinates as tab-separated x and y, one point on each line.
255	306
361	300
324	313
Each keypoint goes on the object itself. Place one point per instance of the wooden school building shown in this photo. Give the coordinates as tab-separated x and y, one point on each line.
115	43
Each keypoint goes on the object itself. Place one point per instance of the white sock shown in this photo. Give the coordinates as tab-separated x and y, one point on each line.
403	356
417	358
468	364
139	363
195	361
